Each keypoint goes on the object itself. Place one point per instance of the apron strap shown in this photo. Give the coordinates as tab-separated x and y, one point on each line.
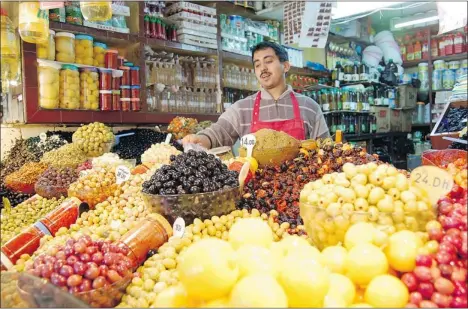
295	104
256	108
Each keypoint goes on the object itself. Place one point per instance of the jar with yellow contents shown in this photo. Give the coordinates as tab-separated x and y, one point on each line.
48	84
47	50
33	23
99	54
65	47
84	49
96	10
89	82
69	87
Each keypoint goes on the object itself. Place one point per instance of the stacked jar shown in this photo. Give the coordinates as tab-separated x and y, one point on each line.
116	77
110	59
125	89
46	50
89	82
105	89
84	49
48	84
99	52
69	87
65	47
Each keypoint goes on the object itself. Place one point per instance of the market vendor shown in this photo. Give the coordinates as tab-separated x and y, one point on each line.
275	107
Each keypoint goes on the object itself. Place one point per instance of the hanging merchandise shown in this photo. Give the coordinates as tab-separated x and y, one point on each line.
389	46
96	11
33	22
372	55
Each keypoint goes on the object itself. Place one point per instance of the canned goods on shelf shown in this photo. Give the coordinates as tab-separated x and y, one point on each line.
105	100
448	79
454	65
437	80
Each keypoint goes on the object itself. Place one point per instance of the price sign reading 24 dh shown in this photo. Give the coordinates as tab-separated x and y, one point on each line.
434	181
248	141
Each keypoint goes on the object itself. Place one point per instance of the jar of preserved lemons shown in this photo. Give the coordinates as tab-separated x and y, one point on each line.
33	23
89	82
8	49
65	47
48	84
47	50
99	54
96	11
69	87
84	49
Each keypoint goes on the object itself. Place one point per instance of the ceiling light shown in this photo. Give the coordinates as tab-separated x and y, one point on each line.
416	21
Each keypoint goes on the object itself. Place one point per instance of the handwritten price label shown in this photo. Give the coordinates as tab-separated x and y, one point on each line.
248	141
434	181
122	173
179	227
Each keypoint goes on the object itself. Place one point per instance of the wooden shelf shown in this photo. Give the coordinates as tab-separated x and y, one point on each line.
237	59
178	47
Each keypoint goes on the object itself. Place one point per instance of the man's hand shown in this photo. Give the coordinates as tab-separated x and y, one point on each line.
197	139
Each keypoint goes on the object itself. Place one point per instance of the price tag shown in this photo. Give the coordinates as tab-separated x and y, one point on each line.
168	138
43	136
179	227
122	173
248	141
435	181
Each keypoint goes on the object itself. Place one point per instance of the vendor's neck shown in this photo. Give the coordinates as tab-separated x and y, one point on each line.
277	91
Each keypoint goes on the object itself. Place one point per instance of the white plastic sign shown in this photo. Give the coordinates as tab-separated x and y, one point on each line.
179	227
248	141
435	181
122	173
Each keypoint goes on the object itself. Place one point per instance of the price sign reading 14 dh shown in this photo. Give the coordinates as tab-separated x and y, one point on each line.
434	181
248	141
122	173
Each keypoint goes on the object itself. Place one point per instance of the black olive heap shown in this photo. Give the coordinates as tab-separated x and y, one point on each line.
453	121
189	173
132	147
15	198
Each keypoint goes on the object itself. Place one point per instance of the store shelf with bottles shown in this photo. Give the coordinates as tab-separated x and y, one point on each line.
454	57
347	112
103	34
166	45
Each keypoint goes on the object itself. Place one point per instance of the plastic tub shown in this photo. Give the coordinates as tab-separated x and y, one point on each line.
47	50
125	104
326	230
99	53
120	61
65	47
63	216
105	79
105	100
439	65
84	49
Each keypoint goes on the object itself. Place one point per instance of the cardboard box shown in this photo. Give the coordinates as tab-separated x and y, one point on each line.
406	120
407	96
395	120
382	115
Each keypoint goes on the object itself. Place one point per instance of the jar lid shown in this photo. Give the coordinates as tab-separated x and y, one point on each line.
84	37
69	67
105	91
439	61
135	99
106	71
423	64
52	32
43	63
128	64
99	44
124	68
124	87
112	51
88	69
65	34
114	92
135	87
136	68
125	99
454	62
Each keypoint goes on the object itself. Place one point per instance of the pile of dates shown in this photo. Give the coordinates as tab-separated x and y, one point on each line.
278	187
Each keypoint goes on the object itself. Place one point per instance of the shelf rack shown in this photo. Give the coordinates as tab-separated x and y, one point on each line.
132	46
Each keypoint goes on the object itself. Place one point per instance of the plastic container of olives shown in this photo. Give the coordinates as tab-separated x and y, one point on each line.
95	151
49	191
326	230
191	206
107	296
273	156
23	290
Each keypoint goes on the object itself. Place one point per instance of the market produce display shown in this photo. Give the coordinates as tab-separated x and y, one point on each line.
18	155
23	180
40	145
94	139
452	122
159	154
16	219
14	198
69	155
181	126
55	182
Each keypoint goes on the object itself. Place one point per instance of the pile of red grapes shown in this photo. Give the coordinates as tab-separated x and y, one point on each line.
95	271
440	279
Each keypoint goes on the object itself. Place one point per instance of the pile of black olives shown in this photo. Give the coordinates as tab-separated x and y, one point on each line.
189	173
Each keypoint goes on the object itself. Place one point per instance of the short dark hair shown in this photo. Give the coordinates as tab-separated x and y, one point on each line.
280	51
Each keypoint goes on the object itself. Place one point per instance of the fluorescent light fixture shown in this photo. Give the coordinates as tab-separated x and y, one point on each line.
416	21
347	9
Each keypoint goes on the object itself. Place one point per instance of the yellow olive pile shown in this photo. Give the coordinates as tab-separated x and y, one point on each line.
94	139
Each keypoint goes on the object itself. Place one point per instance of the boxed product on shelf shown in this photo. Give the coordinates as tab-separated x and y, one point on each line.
442	96
193	18
382	115
192	31
188	6
407	96
197	41
400	120
181	24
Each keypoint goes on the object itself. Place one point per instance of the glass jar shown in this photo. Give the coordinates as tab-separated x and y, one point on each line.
105	79
99	53
135	92
48	84
126	92
135	76
89	82
125	104
125	76
105	100
65	47
115	100
33	23
96	11
135	103
84	49
47	50
116	80
69	87
63	216
8	49
111	59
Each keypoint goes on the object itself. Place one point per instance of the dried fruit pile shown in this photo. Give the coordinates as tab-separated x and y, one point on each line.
278	187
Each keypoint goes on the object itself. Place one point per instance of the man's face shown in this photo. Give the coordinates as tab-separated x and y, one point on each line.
268	68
